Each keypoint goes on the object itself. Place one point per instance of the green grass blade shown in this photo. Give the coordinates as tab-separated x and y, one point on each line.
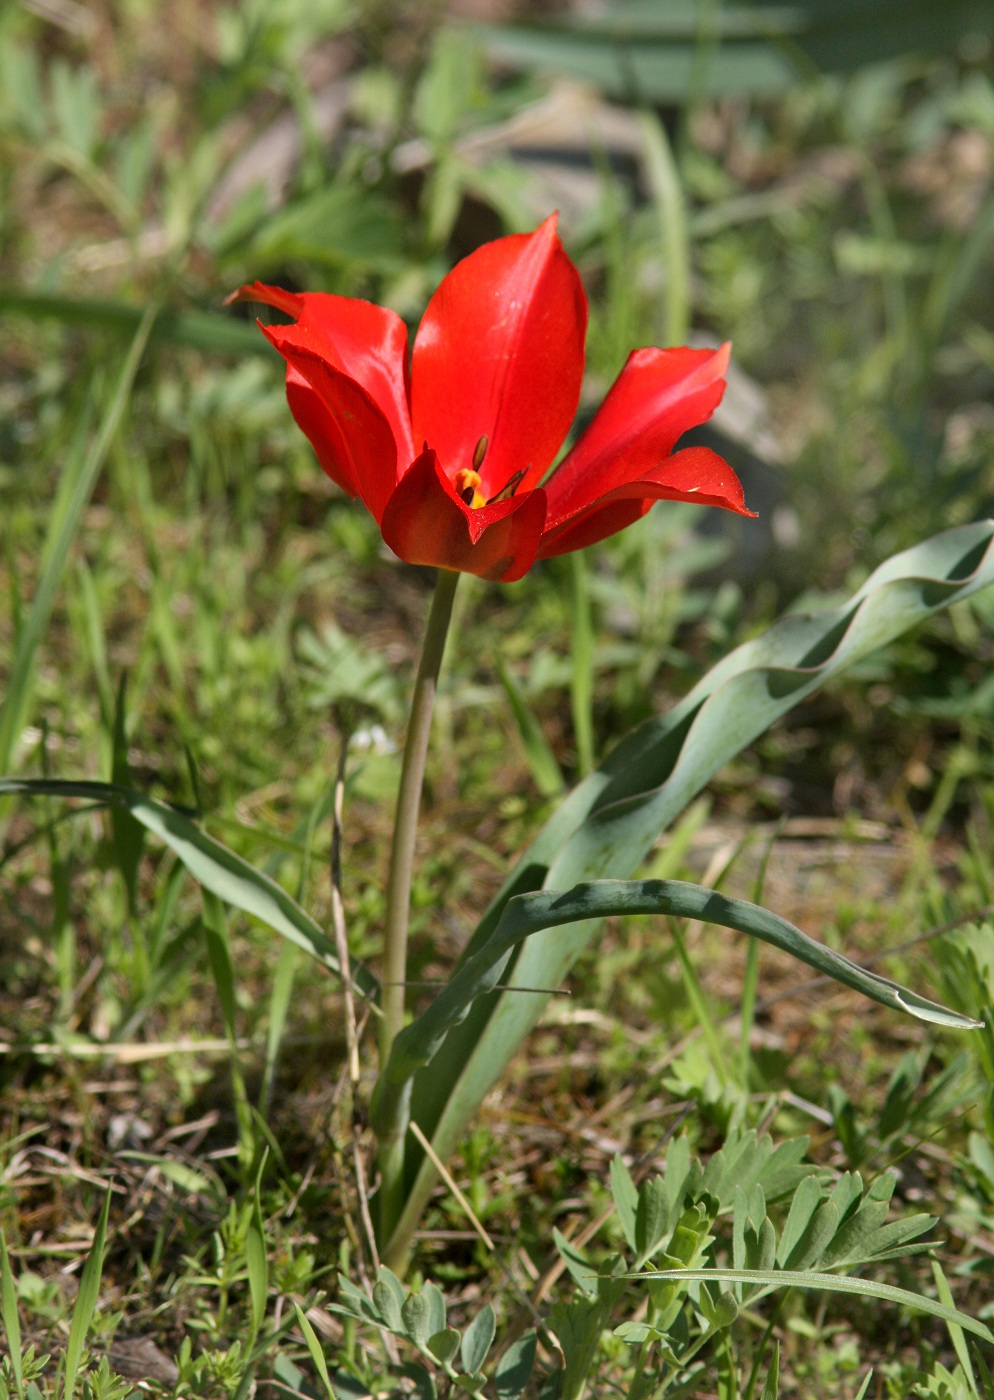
314	1348
256	1260
955	1329
8	1312
699	1006
216	868
96	641
667	195
86	1303
65	526
279	1008
582	666
541	760
864	1388
771	1390
223	969
750	973
770	1280
128	835
610	821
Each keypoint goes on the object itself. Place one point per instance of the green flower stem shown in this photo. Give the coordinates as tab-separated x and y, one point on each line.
391	1155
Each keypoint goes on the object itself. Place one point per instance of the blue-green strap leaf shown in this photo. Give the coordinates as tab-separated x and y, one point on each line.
599	899
609	822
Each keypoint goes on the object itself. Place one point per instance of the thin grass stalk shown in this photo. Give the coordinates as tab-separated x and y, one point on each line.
399	881
582	668
58	546
698	1001
667	195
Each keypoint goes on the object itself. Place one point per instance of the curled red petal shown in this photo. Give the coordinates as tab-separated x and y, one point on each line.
425	522
290	302
353	440
367	342
499	354
655	399
695	474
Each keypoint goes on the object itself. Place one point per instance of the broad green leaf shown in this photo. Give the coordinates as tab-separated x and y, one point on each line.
424	1383
415	1316
581	1270
75	103
436	1306
216	868
793	1250
720	1312
769	1281
477	1340
626	1198
651	1219
336	226
86	1302
816	1238
609	822
515	1367
444	1345
352	1302
389	1297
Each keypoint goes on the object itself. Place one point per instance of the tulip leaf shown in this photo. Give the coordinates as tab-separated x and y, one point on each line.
642	50
215	332
216	868
607	825
590	903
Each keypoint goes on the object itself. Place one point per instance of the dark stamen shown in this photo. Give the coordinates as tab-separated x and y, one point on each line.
509	487
479	453
467	495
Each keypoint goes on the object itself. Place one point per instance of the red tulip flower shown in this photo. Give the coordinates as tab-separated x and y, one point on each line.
450	451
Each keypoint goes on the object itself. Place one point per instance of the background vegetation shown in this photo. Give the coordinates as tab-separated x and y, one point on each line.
188	605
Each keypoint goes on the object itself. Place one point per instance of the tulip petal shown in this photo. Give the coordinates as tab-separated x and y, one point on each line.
367	342
695	474
499	354
353	440
655	399
425	522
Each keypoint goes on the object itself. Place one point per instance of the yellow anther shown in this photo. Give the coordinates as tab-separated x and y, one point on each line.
467	484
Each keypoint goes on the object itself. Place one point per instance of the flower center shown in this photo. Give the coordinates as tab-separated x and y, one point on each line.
467	480
467	483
